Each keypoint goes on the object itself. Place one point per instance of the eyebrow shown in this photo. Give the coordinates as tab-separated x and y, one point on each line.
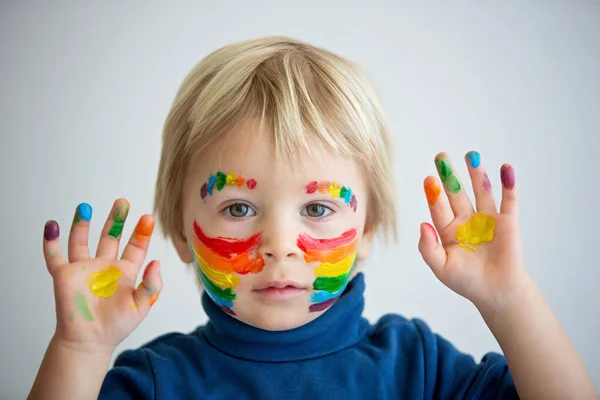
220	180
335	190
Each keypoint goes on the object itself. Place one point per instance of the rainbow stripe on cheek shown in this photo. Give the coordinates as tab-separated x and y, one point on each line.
337	257
219	260
336	190
220	180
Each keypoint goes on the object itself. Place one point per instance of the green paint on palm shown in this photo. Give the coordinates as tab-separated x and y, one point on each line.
70	318
447	176
220	181
119	221
82	307
330	284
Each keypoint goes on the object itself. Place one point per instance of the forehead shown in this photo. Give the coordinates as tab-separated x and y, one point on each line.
252	152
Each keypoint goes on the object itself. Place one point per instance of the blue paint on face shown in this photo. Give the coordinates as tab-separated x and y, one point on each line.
85	211
474	159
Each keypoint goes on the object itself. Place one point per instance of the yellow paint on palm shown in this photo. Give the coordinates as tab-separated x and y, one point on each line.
340	268
104	282
222	279
477	230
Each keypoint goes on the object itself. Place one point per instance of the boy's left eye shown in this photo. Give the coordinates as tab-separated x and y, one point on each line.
316	210
240	210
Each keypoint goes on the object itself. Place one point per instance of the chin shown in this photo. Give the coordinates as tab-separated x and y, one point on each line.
271	319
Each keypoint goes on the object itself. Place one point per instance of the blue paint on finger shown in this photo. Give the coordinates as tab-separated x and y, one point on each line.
474	159
84	211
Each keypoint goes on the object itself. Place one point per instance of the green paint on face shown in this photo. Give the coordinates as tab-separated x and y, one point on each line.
216	290
330	284
447	176
119	221
220	181
82	307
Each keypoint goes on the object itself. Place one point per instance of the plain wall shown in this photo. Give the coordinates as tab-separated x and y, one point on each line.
85	89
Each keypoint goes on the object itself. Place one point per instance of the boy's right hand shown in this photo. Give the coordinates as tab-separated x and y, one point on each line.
97	304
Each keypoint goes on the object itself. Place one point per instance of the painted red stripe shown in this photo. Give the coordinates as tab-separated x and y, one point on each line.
228	247
306	242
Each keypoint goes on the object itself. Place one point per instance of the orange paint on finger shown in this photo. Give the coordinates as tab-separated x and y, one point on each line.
144	228
432	191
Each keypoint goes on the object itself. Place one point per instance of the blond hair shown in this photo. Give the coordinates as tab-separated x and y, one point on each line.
305	94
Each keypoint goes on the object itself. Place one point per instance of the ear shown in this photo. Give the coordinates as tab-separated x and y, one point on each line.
366	242
181	245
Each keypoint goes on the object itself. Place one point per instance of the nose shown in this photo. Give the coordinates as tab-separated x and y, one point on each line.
279	244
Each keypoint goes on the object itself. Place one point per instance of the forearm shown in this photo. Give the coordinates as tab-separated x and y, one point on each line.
67	373
541	358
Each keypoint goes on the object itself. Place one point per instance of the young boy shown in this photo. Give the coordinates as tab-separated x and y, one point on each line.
274	179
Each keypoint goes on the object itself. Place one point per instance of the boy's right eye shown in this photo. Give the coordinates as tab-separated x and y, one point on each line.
239	210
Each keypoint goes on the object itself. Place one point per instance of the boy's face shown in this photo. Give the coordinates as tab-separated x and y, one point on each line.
274	246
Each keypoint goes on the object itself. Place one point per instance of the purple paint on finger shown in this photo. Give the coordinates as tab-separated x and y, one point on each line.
51	231
487	185
507	176
322	306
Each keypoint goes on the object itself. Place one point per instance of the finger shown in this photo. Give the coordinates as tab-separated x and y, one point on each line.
78	238
509	204
459	201
441	213
431	250
149	288
108	247
482	188
52	254
138	243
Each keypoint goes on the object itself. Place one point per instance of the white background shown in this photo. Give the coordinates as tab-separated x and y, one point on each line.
84	91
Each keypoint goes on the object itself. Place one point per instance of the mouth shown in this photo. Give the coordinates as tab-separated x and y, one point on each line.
280	290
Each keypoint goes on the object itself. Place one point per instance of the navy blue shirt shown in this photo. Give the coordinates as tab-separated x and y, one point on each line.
340	355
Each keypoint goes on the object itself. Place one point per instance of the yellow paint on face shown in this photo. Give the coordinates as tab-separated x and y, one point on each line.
332	270
334	189
230	179
104	282
219	278
477	230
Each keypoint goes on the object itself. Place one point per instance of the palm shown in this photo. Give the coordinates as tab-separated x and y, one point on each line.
96	298
491	266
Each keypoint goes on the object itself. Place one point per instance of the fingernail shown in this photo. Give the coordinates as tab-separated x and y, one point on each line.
447	176
83	213
51	231
145	226
432	229
119	218
432	192
507	176
474	159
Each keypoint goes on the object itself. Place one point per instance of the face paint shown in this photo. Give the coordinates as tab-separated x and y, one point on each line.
83	213
487	185
447	176
104	282
335	190
432	191
220	180
337	257
217	260
474	159
507	176
82	307
477	230
119	218
51	231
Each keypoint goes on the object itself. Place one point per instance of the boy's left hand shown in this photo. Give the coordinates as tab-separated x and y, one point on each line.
480	255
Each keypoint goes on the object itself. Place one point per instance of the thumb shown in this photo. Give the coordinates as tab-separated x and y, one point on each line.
431	250
149	288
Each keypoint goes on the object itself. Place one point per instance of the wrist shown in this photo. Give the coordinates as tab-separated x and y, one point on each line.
501	304
94	350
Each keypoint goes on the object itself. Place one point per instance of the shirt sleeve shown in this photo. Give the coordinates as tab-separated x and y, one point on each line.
131	377
450	374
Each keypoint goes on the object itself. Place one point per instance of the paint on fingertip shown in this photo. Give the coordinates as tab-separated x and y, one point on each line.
487	185
51	231
119	218
104	282
432	192
144	228
474	159
83	213
477	230
432	229
447	176
82	307
507	176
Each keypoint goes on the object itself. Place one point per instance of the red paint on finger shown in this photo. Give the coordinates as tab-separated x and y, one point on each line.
507	176
487	185
432	229
51	231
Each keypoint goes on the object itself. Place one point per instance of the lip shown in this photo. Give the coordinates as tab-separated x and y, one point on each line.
280	290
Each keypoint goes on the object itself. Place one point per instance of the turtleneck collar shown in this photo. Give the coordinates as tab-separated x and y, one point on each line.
341	326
